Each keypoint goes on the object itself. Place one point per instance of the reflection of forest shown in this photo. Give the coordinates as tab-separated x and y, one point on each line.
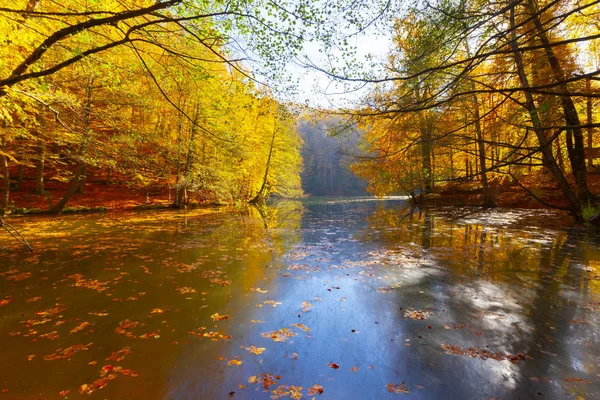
517	289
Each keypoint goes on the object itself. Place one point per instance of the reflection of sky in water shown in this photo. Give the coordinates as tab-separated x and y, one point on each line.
496	280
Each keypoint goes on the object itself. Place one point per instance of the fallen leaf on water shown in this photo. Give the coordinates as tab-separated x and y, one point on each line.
333	365
50	335
257	321
314	390
79	327
354	369
64	392
31	300
68	352
119	355
398	389
234	362
6	301
301	326
294	392
98	313
156	311
265	379
150	335
280	335
259	290
306	306
483	354
417	314
186	290
219	317
30	357
255	350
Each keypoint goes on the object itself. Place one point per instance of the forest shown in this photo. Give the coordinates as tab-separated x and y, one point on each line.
489	96
497	107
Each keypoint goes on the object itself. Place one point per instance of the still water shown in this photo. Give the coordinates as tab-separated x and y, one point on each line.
325	298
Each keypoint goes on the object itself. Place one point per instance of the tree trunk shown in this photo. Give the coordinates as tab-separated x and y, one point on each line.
545	146
60	206
20	173
81	186
260	196
4	195
590	130
182	180
426	156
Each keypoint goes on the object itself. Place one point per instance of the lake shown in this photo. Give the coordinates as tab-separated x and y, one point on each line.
331	298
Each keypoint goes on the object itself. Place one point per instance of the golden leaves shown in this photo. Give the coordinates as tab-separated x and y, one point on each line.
119	355
6	300
68	352
79	327
255	350
258	290
234	362
314	390
218	317
186	290
280	335
306	306
301	326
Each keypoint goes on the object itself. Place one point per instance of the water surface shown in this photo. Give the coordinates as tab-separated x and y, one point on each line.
353	298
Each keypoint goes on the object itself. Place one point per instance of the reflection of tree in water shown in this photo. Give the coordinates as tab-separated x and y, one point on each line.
281	222
519	287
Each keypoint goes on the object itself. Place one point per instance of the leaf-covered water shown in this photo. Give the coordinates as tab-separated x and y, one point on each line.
327	298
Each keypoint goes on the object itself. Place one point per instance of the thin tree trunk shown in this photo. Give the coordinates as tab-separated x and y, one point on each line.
488	198
590	130
20	173
60	206
260	196
4	195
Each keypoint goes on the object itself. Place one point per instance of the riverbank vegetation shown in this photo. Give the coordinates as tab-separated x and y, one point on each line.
148	97
488	98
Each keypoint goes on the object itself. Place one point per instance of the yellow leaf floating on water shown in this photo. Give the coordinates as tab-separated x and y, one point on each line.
98	313
306	306
79	327
156	311
257	321
234	362
314	390
281	335
255	350
219	317
259	290
186	290
301	326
